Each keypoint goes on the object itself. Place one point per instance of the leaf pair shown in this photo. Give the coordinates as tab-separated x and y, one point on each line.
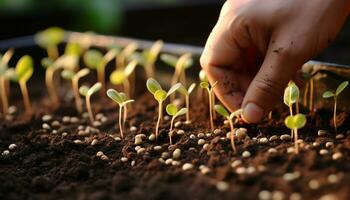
69	74
296	121
156	89
50	37
291	94
182	89
175	61
120	75
339	89
172	110
118	97
223	112
86	91
23	71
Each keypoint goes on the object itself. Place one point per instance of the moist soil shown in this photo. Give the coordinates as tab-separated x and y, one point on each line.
60	161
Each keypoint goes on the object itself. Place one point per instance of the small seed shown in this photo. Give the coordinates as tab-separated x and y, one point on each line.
161	160
64	134
314	184
177	154
201	142
241	133
222	186
192	136
265	195
99	154
124	159
285	137
152	137
54	132
333	178
46	118
85	115
104	157
117	138
329	144
180	132
12	110
133	163
78	142
166	118
165	155
83	133
315	144
96	123
66	119
104	119
133	129
5	153
273	138
251	170
137	148
329	197
175	163
263	140
337	156
55	123
138	139
94	142
204	169
99	116
74	120
201	135
321	132
339	136
141	150
168	161
246	154
291	176
157	148
206	147
290	150
187	166
177	124
208	135
295	196
324	151
12	146
241	170
217	131
80	127
272	151
236	163
278	195
46	126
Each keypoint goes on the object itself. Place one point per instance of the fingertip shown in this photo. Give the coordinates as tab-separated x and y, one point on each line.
252	113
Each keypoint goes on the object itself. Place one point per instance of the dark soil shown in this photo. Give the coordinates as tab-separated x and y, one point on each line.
47	164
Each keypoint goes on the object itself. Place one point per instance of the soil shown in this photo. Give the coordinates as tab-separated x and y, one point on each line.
58	163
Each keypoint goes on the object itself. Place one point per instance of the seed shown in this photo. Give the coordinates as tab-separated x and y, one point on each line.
74	120
78	142
339	136
263	140
66	119
117	138
241	170
337	156
132	163
99	116
217	131
124	159
200	135
277	195
55	123
161	160
208	134
104	157
83	133
272	150
329	144
273	138
315	144
94	142
138	139
85	115
96	123
165	155
241	133
104	119
291	176
168	161
46	126
204	169
46	118
228	135
180	132
251	170
12	110
192	136
137	148
222	186
264	195
141	150
12	146
54	132
314	184
246	154
152	137
329	197
290	150
201	142
323	151
321	132
166	118
5	153
187	166
285	137
226	122
133	129
177	154
175	163
236	163
99	154
206	147
64	134
333	178
177	124
157	148
295	196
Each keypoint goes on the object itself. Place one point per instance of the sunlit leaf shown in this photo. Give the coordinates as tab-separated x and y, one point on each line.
328	94
128	101
204	85
92	58
203	76
291	94
236	113
117	77
184	61
50	37
182	111
83	72
24	68
191	88
169	59
129	69
341	87
152	54
67	74
182	90
95	88
123	96
171	109
221	110
160	95
153	85
46	62
115	96
83	90
73	49
11	74
297	121
174	88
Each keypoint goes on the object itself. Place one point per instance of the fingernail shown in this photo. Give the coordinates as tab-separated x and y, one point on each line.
252	113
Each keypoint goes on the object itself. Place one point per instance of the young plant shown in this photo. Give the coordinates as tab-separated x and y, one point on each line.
74	77
160	95
291	96
121	76
329	94
124	54
49	39
172	110
295	122
203	78
209	89
88	92
4	84
223	112
122	101
187	93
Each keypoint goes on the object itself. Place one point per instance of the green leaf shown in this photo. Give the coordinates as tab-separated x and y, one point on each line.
11	74
110	55
128	101
24	68
73	49
160	95
204	85
202	76
171	109
67	74
174	88
46	62
236	113
92	58
341	87
115	96
169	59
327	94
295	122
129	69
153	85
182	111
182	90
50	37
117	77
291	94
221	110
129	49
138	57
152	54
82	72
123	96
83	90
115	48
95	88
191	88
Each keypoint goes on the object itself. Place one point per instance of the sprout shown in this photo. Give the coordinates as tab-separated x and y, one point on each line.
124	54
4	84
160	95
335	95
172	110
74	77
119	98
206	85
49	40
88	92
295	122
291	96
121	76
223	112
187	93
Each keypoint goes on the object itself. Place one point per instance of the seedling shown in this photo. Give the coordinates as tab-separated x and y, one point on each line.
206	86
88	92
74	77
124	54
329	94
295	122
203	78
121	76
49	40
172	110
160	95
291	96
96	60
223	112
187	93
4	89
122	101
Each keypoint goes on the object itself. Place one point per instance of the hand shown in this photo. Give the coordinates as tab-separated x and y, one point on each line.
258	46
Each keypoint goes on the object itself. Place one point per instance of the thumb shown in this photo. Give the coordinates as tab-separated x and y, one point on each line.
266	90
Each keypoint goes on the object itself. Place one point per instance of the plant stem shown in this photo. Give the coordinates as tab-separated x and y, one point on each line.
120	121
49	80
4	98
101	79
311	97
171	130
188	109
296	145
125	114
305	94
88	106
25	95
52	52
213	103
211	111
335	113
232	135
75	86
291	114
126	85
159	116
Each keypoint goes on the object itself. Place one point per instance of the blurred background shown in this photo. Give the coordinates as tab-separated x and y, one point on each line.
180	21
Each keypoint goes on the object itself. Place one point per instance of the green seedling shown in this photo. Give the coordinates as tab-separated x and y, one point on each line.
295	122
209	89
49	39
291	96
148	58
187	93
96	60
124	54
88	92
223	112
121	76
75	77
4	83
160	95
172	110
329	94
121	99
203	78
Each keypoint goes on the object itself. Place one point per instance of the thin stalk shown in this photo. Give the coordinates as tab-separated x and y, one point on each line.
335	113
213	103
291	114
211	111
101	79
49	78
174	80
25	95
52	52
132	84
188	109
126	85
311	97
120	121
75	86
270	115
88	106
306	91
4	98
297	106
232	135
171	130
149	68
125	114
296	145
159	117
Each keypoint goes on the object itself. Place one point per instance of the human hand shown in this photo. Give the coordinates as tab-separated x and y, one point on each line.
257	47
